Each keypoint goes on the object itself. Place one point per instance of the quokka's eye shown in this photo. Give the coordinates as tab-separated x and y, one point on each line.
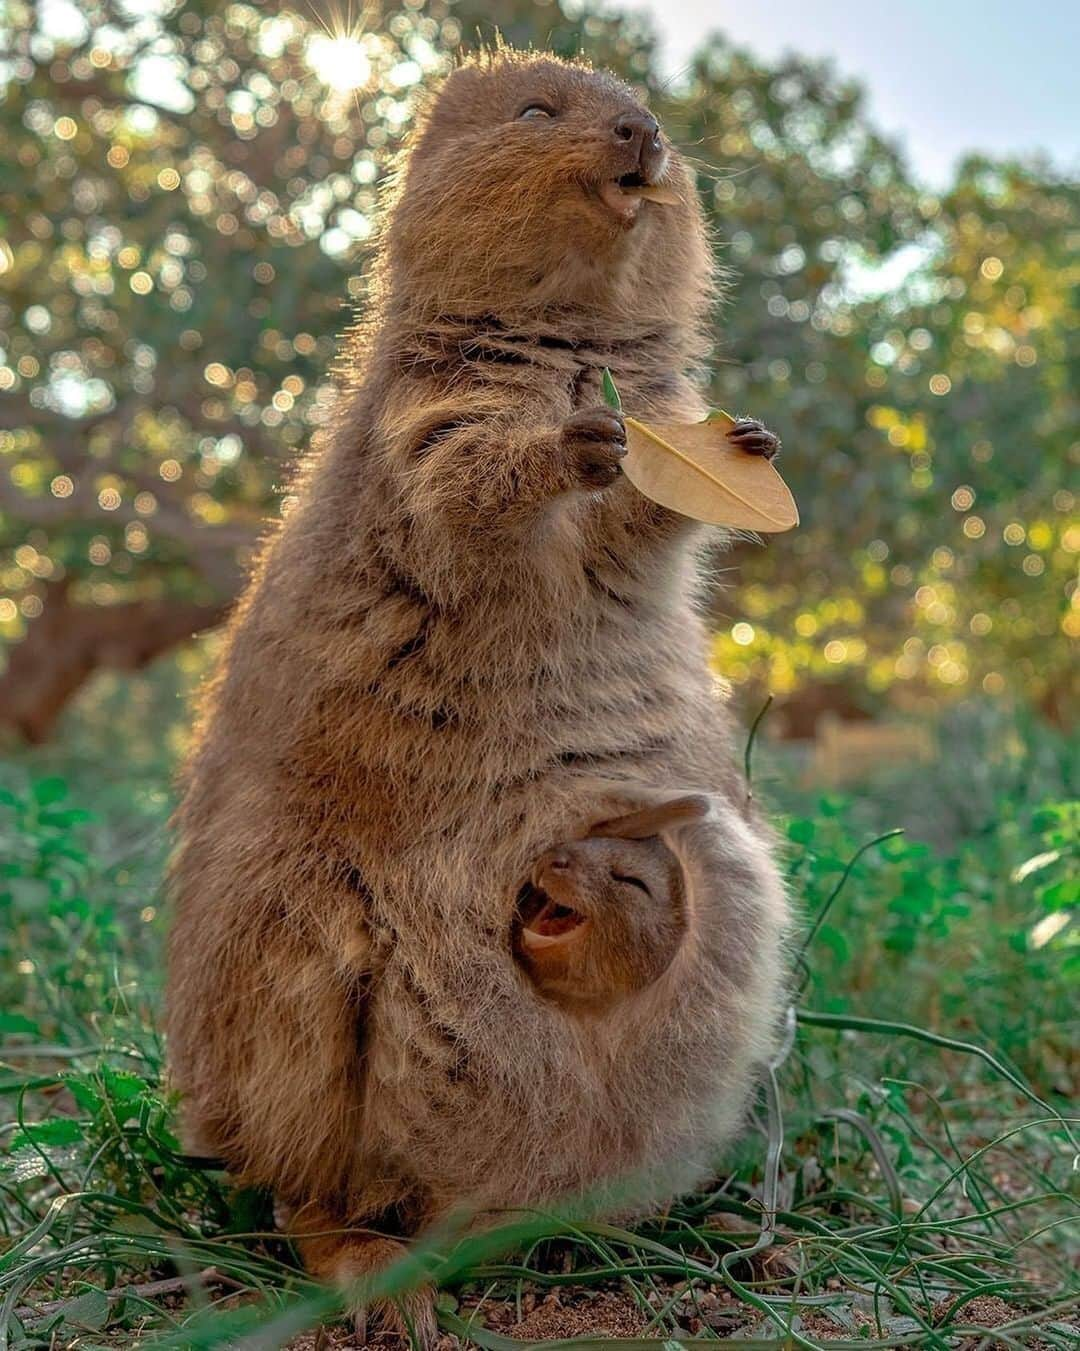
535	112
630	881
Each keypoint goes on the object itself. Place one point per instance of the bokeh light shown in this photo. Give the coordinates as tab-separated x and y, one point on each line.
199	200
340	62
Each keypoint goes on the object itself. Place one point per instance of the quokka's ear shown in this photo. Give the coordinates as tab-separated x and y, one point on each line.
650	821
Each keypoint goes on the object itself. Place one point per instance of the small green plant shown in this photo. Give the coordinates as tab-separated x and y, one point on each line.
1054	873
912	1155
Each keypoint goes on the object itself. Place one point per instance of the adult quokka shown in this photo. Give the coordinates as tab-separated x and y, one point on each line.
470	639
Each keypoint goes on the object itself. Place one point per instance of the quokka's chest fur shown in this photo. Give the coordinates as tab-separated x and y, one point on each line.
443	739
568	660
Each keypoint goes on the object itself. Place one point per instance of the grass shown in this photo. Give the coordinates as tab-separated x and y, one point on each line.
909	1177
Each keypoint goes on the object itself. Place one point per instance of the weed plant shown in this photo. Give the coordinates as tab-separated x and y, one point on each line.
908	1177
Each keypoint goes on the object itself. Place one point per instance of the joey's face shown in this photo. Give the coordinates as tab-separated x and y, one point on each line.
618	892
600	919
523	163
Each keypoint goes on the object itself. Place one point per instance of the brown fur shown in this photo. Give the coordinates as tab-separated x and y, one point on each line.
456	652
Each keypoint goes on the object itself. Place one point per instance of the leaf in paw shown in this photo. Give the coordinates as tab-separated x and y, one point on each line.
596	441
754	437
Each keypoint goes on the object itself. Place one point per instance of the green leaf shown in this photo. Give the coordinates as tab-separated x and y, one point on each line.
48	791
610	393
87	1097
122	1085
1063	895
88	1310
57	1130
69	816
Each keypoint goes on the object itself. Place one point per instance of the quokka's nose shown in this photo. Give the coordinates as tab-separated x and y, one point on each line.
640	131
555	863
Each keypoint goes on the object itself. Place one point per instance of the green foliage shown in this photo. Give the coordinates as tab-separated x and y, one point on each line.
944	925
65	905
181	191
44	871
1055	873
929	422
184	202
905	905
914	1170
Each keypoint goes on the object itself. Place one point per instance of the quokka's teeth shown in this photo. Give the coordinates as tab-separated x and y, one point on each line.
657	192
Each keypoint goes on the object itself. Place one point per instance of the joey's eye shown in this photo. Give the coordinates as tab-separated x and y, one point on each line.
630	881
535	112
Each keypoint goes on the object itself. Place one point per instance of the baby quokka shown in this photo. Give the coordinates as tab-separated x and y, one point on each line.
602	918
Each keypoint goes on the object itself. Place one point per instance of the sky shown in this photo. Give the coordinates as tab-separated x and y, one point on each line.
944	76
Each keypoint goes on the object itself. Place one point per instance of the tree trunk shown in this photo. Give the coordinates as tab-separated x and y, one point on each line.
68	643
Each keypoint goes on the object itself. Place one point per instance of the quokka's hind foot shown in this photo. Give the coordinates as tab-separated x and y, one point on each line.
349	1258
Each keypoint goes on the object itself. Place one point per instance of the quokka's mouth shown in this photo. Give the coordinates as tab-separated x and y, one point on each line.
545	920
624	195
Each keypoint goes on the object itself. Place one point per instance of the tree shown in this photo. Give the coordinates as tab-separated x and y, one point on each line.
185	200
918	356
931	435
181	199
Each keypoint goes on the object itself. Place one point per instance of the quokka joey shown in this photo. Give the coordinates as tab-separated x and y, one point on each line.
469	639
602	918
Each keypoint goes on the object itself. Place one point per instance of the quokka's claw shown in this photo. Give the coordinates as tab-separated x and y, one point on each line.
754	437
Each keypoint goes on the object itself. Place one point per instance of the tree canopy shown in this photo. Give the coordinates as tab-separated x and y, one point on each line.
185	196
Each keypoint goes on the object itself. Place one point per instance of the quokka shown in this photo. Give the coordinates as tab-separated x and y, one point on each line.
472	638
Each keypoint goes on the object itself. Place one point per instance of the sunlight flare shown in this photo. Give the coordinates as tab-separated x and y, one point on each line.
340	62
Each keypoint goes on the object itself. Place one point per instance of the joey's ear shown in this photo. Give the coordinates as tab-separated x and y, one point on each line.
642	825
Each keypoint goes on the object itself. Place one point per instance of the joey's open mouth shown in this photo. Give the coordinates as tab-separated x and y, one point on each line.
545	919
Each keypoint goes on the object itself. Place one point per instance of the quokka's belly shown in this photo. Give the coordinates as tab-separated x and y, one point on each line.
491	1096
517	1105
480	1090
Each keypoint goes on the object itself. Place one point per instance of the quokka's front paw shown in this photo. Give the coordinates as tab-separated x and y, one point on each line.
754	437
595	441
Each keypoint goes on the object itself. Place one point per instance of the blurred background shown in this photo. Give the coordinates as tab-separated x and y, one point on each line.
188	195
188	192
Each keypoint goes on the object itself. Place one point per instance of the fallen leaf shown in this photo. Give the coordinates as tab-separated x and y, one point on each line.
692	468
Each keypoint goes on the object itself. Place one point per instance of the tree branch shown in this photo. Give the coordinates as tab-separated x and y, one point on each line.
68	643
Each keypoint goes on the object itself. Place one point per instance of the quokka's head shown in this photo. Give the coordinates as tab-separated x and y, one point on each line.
530	181
604	917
